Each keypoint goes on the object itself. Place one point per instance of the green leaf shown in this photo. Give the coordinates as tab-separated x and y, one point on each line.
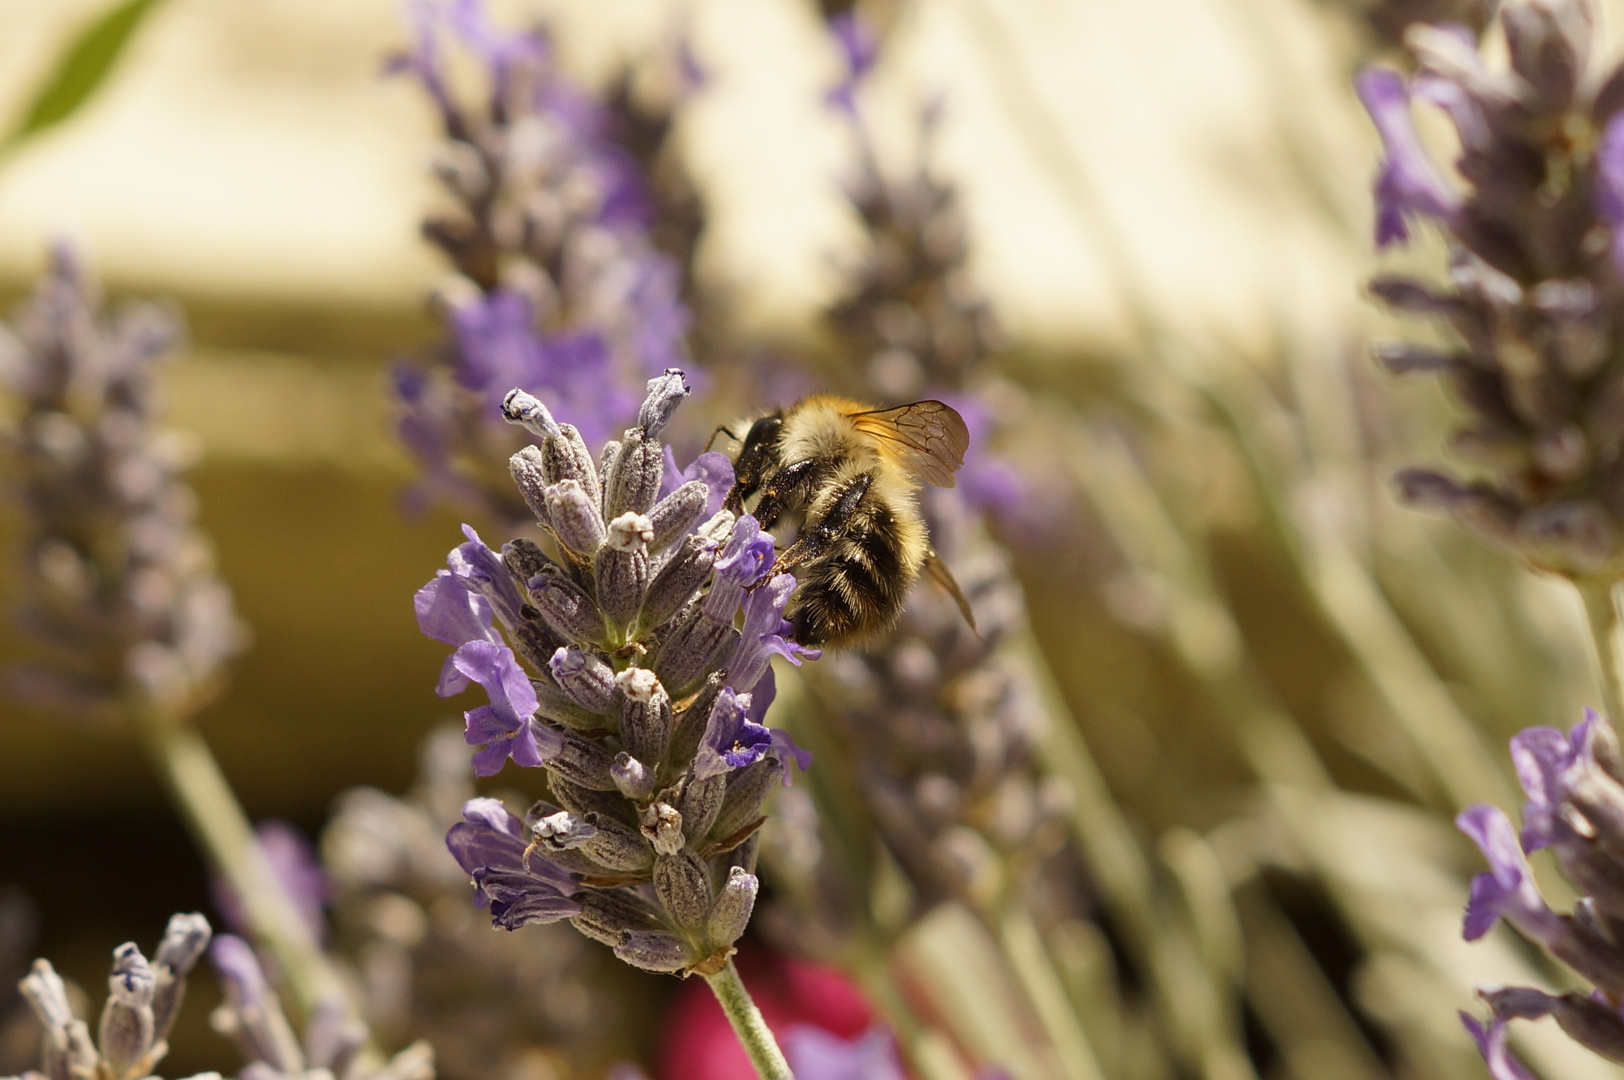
83	67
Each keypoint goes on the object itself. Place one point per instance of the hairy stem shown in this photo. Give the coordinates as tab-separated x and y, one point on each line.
221	829
748	1025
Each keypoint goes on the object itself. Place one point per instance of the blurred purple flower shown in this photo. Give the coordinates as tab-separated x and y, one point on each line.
1507	890
1491	1043
859	49
295	865
1409	182
816	1054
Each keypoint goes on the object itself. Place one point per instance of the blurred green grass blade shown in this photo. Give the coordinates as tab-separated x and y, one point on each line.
83	67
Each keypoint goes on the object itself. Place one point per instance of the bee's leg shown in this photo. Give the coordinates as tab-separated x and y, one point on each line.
816	539
784	485
721	429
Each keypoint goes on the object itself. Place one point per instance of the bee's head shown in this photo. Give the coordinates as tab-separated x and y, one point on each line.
758	455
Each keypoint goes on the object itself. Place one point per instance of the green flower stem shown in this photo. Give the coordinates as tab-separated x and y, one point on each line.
748	1025
1601	613
221	829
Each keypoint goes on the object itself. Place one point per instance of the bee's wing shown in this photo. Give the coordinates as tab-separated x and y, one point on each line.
927	436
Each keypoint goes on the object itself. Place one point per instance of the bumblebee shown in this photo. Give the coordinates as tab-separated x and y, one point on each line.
849	472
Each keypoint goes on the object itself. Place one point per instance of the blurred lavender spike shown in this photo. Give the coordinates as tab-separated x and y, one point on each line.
1576	808
650	845
142	1002
331	1048
559	289
119	603
1534	292
392	885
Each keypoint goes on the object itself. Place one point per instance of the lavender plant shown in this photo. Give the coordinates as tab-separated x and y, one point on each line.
558	284
142	1002
122	614
637	696
426	959
1534	300
120	606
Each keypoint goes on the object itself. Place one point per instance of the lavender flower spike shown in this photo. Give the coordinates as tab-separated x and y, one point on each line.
1575	807
118	602
142	1001
1532	296
558	286
634	713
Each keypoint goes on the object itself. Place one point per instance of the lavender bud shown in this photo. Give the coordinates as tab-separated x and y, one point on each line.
606	465
574	517
566	608
251	1014
665	393
47	995
333	1039
588	680
634	479
582	761
127	1032
622	568
747	791
530	476
586	802
608	916
529	413
183	943
700	804
731	912
678	580
675	514
662	827
618	846
645	715
692	648
524	558
689	729
683	886
653	950
632	778
567	458
556	705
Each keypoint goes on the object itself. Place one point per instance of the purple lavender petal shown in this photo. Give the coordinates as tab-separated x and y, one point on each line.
518	899
711	467
731	740
484	572
449	611
1540	755
1508	890
1491	1043
785	750
1610	184
748	554
1409	183
859	48
504	727
762	635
